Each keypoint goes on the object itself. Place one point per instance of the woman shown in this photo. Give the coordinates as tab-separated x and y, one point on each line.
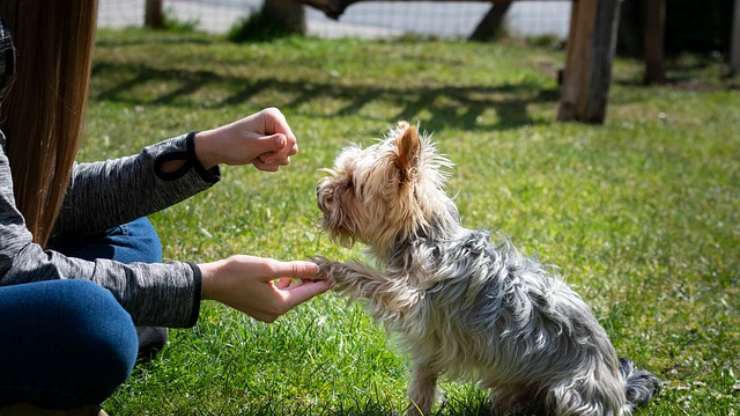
79	266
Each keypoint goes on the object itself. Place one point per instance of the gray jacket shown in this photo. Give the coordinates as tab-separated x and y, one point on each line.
102	195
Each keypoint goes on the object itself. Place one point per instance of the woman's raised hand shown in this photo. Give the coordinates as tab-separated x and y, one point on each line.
263	139
260	287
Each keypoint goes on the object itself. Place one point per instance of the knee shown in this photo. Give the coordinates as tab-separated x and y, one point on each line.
72	344
102	323
144	241
102	339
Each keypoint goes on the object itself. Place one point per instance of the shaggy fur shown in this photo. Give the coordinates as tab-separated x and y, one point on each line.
466	308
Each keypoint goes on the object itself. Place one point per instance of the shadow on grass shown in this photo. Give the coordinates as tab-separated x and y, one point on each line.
446	106
680	81
195	38
686	75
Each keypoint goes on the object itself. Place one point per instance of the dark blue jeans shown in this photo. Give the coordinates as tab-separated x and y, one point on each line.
68	343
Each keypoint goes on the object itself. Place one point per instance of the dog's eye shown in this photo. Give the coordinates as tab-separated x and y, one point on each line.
350	183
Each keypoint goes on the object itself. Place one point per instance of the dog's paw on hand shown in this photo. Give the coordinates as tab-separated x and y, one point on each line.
325	267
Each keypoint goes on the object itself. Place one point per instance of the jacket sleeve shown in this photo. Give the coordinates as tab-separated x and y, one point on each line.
154	294
105	194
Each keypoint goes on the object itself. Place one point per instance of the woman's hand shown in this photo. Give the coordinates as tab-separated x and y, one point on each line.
247	284
263	139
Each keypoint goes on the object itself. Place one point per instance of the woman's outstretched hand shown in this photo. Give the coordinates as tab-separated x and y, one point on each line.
263	139
260	287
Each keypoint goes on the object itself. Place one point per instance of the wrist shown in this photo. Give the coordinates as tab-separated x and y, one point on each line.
209	280
206	143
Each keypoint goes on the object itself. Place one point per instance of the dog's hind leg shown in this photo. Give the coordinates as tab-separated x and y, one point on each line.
422	389
590	398
512	401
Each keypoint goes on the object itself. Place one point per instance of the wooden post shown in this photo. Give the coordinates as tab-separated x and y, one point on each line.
286	15
654	41
490	26
591	44
735	43
153	14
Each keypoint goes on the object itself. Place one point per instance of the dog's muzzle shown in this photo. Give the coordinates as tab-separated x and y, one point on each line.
319	200
322	198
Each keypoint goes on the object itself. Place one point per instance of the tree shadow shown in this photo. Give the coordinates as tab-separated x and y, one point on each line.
681	74
444	106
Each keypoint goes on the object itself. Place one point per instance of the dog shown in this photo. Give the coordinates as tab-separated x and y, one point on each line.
464	307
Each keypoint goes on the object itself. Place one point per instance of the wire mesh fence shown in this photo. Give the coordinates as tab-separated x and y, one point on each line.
376	19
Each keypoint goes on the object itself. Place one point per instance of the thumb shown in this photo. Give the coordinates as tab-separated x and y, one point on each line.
295	269
272	143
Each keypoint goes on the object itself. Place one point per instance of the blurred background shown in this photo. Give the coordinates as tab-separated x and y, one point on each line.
689	25
366	20
650	30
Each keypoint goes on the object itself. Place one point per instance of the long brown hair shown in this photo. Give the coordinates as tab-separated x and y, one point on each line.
42	116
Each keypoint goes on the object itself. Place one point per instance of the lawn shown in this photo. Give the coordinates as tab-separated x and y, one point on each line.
640	215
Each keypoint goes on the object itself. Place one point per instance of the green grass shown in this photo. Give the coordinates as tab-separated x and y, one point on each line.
641	214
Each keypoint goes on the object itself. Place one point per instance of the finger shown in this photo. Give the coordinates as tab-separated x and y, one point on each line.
263	157
289	135
283	282
258	314
293	149
295	269
273	143
275	119
263	317
282	126
271	158
304	292
282	153
274	159
267	167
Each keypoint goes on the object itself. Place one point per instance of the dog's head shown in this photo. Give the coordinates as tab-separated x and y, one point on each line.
386	191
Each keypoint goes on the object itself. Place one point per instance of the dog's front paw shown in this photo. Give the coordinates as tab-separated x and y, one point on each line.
325	267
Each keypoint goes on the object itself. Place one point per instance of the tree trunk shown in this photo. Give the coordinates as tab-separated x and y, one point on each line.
153	14
286	15
490	26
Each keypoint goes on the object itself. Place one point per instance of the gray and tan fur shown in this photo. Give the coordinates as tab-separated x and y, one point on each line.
465	308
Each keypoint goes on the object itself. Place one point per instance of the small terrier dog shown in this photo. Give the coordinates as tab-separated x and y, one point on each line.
466	308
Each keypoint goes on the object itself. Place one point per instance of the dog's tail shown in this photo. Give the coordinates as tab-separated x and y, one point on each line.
640	385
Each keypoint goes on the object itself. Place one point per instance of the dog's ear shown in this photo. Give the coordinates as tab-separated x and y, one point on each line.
409	148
